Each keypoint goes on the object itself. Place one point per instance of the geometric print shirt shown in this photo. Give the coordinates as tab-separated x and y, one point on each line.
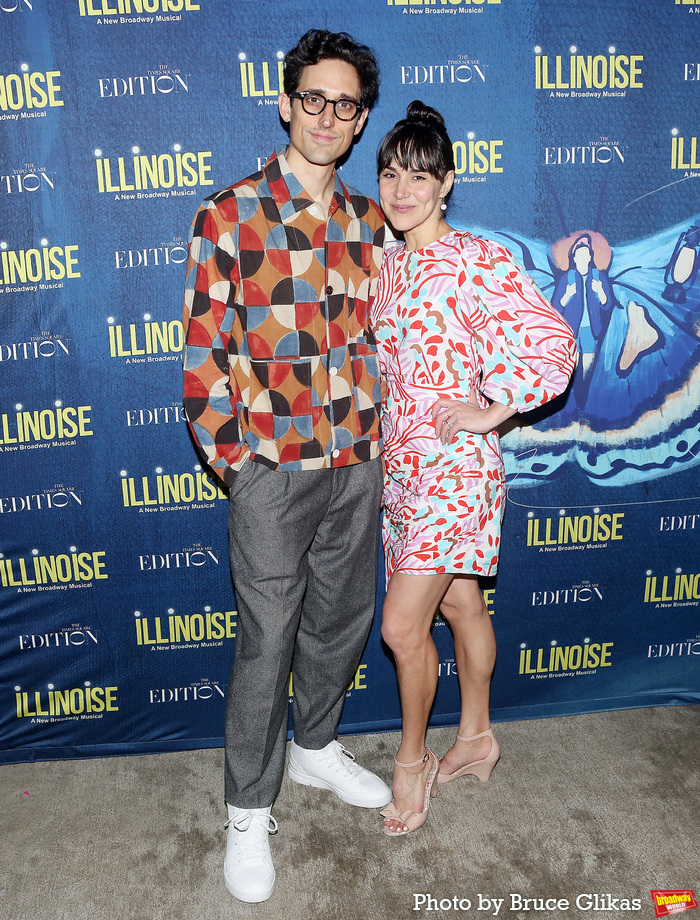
280	364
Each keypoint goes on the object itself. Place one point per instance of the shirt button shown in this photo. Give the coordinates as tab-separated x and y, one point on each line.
333	371
329	289
336	453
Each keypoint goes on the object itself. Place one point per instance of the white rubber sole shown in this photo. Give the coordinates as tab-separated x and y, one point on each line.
304	779
247	896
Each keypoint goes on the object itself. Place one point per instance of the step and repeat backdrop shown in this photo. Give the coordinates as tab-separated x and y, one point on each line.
576	139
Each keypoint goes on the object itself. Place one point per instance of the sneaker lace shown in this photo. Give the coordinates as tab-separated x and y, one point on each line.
253	828
342	760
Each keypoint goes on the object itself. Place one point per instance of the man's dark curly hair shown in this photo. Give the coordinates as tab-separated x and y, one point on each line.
318	45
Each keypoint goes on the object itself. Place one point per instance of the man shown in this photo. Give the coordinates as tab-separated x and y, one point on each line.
282	395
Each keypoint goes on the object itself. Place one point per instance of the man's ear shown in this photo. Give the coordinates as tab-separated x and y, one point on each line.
284	103
364	115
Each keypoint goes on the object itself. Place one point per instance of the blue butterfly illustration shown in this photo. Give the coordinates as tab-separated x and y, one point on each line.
632	410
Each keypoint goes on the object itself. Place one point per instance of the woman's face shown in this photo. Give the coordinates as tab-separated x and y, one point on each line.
411	198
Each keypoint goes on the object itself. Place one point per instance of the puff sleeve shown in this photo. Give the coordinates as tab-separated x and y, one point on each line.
526	351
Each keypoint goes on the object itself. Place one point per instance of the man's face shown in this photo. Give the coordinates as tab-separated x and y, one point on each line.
320	140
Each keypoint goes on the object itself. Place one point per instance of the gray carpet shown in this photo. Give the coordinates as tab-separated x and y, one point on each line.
602	804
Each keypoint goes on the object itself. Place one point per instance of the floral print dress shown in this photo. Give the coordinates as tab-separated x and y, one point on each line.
455	319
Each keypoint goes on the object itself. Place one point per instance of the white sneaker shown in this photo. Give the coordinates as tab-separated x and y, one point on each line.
248	871
334	768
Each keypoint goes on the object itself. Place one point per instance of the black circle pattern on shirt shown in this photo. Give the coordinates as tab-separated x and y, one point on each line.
333	306
355	248
297	241
283	292
249	262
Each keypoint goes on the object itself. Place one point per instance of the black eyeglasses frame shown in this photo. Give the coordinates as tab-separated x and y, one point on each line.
334	102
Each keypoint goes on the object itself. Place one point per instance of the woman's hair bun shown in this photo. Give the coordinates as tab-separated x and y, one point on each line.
421	113
418	142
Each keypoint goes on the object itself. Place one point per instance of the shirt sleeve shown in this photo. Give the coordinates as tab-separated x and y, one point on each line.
209	391
525	349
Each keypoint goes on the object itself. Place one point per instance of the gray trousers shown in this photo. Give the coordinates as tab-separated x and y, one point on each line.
304	562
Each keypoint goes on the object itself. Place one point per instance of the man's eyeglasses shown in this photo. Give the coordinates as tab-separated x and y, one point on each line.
314	103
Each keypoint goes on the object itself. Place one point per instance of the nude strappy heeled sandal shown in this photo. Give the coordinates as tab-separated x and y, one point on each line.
480	768
412	819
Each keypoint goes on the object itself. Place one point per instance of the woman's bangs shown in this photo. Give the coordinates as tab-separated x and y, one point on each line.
417	154
411	151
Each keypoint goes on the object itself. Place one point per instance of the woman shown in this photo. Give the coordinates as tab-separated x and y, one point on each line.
465	340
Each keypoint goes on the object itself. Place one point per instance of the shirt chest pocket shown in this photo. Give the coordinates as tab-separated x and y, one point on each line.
365	369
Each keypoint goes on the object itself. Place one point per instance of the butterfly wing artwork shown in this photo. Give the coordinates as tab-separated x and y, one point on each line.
632	411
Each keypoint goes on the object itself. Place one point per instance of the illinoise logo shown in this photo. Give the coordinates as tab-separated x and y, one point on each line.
130	176
261	80
163	491
684	152
128	7
46	573
86	702
184	630
58	424
577	659
26	91
575	71
48	264
477	157
592	530
677	590
139	343
441	3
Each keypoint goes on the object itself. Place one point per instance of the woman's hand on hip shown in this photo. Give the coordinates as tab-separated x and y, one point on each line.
453	415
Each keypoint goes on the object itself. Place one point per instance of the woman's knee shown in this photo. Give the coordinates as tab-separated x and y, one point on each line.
400	637
463	610
391	631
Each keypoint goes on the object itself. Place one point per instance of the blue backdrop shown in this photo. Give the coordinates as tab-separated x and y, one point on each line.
575	127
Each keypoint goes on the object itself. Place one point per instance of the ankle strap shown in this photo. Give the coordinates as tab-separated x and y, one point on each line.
474	737
415	763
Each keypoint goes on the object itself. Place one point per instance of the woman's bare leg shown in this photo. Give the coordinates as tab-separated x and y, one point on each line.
409	608
475	655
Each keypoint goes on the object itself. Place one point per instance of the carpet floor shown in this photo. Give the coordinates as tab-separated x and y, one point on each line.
588	813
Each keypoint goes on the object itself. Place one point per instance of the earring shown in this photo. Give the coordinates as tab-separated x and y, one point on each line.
443	206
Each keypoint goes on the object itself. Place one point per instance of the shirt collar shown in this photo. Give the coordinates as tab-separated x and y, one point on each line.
288	192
